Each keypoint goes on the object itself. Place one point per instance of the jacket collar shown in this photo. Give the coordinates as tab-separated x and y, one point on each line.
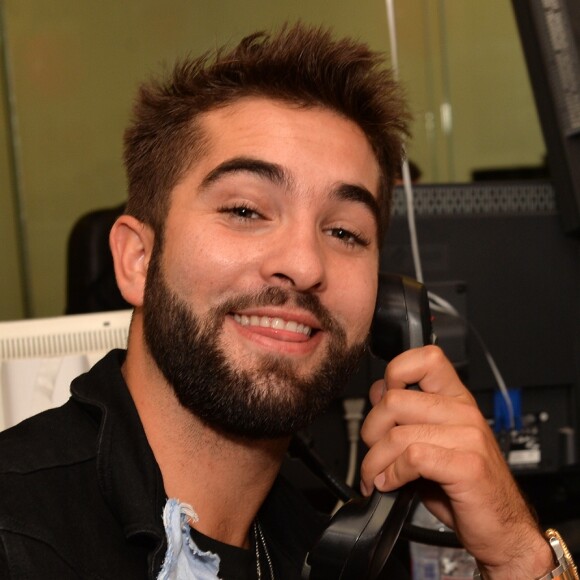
129	477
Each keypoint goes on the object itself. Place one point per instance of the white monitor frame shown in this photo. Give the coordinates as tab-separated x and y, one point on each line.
33	345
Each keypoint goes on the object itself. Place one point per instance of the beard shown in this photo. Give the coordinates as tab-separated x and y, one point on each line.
270	400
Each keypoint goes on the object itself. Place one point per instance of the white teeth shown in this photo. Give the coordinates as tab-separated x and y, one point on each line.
275	323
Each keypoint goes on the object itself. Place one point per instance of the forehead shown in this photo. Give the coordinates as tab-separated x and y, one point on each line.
314	144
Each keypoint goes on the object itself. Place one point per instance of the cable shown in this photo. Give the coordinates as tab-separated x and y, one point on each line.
353	416
302	449
405	172
410	201
438	304
414	533
390	7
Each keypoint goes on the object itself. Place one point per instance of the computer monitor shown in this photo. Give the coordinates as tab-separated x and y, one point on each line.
39	358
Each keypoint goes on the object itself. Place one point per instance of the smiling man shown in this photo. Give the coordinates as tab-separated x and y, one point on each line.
259	190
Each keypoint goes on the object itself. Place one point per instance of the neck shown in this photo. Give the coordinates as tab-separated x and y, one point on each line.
225	479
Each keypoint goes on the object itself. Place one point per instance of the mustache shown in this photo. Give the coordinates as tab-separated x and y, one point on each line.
274	296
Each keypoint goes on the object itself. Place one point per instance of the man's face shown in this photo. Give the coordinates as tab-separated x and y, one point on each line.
259	301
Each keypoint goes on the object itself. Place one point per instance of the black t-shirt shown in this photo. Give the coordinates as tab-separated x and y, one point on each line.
236	563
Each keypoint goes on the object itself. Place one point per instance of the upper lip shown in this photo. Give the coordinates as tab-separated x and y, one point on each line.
301	317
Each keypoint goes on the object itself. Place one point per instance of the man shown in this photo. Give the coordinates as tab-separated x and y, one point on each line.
259	188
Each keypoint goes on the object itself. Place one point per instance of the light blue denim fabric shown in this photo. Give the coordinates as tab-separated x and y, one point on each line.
183	559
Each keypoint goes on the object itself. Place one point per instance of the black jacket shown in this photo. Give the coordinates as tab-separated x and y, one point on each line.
81	495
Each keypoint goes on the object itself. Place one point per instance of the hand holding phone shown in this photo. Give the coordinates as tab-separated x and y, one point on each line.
362	534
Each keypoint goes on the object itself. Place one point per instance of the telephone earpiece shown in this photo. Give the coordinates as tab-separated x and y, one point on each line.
361	535
402	319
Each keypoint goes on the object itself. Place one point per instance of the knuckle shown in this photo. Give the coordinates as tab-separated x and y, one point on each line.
478	437
474	420
476	465
391	373
391	398
473	416
365	434
370	433
414	454
433	355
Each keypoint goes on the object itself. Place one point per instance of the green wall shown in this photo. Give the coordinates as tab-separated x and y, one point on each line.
73	67
466	54
11	285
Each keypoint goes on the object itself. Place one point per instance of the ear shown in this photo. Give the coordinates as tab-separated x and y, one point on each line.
131	244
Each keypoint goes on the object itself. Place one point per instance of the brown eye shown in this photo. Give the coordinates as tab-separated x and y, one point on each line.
241	212
244	212
348	237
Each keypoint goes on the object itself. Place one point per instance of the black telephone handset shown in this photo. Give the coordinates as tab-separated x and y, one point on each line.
361	535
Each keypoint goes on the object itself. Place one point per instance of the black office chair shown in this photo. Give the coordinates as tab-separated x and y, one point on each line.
91	284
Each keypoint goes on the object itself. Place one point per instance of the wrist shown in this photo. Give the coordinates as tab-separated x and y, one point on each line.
552	561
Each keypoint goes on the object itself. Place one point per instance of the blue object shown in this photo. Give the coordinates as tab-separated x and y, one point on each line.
500	412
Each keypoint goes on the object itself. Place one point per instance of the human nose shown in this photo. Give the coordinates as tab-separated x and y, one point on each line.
296	259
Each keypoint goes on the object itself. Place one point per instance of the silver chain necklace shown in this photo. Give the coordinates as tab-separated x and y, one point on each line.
260	542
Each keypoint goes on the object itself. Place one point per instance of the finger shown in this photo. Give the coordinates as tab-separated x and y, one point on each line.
376	392
456	471
428	367
407	441
399	407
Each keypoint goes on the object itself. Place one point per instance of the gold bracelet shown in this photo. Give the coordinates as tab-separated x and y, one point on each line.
565	570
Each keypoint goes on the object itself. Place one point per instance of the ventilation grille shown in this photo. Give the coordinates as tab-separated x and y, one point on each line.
479	199
64	335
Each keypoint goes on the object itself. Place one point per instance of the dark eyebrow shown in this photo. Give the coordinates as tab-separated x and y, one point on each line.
349	192
276	174
264	169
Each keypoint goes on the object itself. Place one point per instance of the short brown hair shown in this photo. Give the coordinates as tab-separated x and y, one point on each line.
299	64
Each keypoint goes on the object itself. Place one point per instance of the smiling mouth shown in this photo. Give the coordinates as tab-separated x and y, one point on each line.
274	323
